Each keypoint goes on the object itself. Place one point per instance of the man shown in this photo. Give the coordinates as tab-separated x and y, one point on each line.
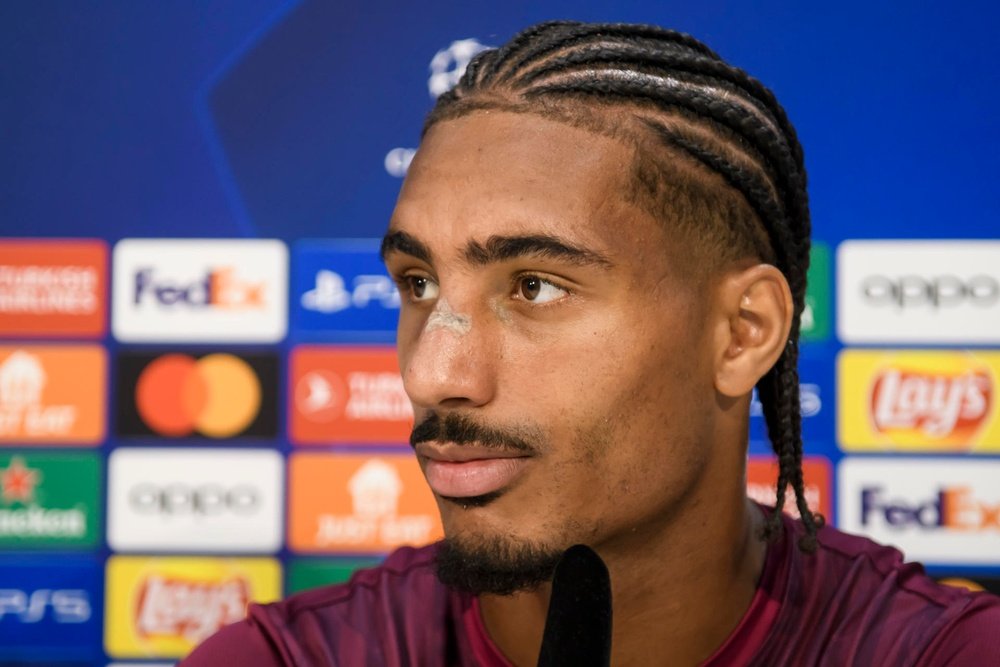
601	248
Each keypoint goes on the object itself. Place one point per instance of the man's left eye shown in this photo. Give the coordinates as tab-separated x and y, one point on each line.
537	290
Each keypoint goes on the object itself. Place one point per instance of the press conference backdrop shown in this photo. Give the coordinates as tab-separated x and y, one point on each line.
199	398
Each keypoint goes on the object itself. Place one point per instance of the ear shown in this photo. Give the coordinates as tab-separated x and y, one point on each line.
754	309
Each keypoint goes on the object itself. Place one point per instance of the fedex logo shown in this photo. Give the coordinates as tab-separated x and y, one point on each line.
955	508
941	511
219	288
33	606
200	290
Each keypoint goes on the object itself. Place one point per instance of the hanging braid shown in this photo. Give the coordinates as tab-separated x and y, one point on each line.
704	112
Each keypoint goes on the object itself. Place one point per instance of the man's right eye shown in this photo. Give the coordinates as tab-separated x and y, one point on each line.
421	288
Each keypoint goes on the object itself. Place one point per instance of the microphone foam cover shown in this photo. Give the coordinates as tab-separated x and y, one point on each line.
578	624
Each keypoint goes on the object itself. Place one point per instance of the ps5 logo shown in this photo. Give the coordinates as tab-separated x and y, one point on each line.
68	605
810	401
331	295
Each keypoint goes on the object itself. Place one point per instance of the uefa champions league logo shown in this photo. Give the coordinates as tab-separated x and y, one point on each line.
448	65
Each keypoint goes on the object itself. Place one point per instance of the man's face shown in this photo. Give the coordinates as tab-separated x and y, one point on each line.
547	323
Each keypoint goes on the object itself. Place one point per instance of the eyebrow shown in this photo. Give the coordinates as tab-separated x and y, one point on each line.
500	249
504	248
402	242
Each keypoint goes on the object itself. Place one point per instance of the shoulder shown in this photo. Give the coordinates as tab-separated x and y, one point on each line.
859	599
385	609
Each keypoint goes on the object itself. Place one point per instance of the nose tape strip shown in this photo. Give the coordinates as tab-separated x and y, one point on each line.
443	317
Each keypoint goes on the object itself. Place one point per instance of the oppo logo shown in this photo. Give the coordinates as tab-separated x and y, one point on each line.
200	500
935	292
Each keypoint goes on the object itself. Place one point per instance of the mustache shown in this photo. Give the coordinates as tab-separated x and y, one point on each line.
461	430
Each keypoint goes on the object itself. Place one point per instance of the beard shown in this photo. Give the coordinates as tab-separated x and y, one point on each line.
495	565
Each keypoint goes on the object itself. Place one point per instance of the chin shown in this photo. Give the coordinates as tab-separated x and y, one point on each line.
497	564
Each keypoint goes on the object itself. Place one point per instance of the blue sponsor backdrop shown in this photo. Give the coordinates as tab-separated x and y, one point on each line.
50	609
295	120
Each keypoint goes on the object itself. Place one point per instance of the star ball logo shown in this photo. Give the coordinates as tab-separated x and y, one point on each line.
216	395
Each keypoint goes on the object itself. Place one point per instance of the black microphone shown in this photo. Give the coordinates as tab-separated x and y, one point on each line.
578	624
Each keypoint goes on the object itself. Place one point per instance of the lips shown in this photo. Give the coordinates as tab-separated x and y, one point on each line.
468	471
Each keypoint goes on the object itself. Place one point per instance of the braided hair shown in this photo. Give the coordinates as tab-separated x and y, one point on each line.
715	118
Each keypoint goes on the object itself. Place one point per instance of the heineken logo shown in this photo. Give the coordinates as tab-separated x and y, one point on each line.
17	481
48	500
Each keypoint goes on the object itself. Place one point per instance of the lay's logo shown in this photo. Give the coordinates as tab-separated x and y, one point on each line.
162	607
918	401
189	609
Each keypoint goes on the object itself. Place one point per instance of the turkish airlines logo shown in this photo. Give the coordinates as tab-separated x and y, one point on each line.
53	288
348	394
936	510
52	394
218	395
195	499
232	290
946	408
918	400
762	476
359	504
919	291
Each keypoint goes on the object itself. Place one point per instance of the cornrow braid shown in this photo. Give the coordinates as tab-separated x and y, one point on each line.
717	118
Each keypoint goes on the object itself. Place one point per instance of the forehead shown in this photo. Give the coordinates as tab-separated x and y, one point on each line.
498	172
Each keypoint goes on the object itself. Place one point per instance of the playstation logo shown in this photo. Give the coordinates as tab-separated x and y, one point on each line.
330	295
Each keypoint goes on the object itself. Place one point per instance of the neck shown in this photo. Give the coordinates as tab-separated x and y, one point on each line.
692	581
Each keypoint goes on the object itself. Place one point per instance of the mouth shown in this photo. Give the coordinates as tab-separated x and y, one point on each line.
469	471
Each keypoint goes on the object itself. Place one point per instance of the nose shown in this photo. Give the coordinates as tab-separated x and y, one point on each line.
450	362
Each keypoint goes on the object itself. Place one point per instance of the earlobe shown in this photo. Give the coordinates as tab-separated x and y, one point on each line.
756	305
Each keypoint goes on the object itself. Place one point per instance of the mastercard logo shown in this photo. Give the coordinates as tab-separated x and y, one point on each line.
218	395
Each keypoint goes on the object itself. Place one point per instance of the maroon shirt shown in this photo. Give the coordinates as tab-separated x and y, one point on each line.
853	602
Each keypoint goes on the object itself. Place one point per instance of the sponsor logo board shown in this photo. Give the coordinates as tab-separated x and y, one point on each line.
815	324
343	291
49	500
762	477
50	609
53	287
919	292
207	500
306	573
347	394
918	400
200	290
162	607
217	395
351	503
935	510
816	401
972	583
52	394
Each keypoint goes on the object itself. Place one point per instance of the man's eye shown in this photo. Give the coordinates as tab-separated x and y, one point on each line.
421	288
537	290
